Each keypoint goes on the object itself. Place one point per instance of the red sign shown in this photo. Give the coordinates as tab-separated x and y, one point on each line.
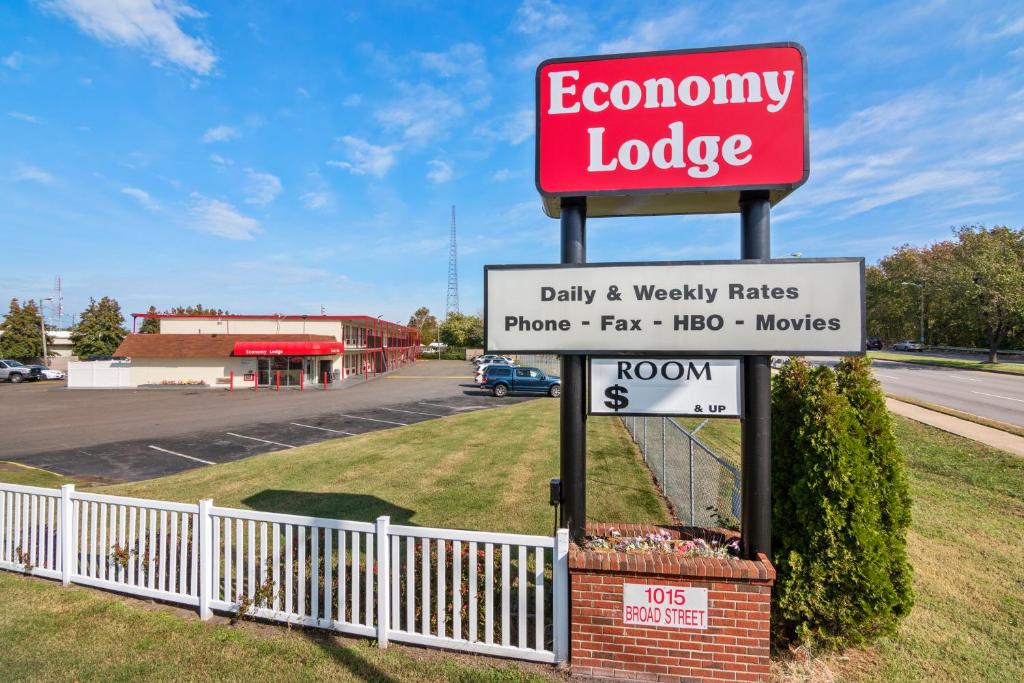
287	348
672	132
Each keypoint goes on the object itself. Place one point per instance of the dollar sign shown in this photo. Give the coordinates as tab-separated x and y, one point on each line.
617	394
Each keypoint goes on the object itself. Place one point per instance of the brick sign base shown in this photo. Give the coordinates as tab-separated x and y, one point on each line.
734	647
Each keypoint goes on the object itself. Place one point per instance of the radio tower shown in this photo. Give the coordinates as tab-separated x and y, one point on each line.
452	305
58	303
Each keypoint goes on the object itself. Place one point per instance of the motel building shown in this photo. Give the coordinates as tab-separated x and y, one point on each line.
254	351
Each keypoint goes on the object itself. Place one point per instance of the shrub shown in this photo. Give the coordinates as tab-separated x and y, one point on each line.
861	389
835	584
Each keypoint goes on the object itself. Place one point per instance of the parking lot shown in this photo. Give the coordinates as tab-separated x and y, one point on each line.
127	435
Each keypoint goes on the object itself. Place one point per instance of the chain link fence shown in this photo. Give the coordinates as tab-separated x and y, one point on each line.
703	488
548	363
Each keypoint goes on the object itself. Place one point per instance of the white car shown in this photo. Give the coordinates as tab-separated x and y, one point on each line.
478	377
47	373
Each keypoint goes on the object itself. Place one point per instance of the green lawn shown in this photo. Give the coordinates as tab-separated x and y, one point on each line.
13	473
962	364
965	546
51	633
487	470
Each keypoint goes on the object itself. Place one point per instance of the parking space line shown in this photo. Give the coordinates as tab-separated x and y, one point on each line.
415	412
438	405
372	419
1008	398
181	455
275	443
878	374
965	379
324	429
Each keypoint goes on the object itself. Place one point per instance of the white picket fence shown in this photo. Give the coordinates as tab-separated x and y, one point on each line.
488	593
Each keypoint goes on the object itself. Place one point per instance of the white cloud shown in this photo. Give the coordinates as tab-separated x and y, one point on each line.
656	33
221	133
353	100
141	196
364	158
27	118
85	82
440	171
423	115
221	161
315	200
503	174
540	16
465	62
13	61
515	128
302	92
148	25
261	188
215	217
27	172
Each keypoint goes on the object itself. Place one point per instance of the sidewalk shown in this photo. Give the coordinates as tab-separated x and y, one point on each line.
954	425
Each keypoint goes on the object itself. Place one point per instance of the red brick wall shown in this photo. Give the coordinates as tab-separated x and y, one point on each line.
735	646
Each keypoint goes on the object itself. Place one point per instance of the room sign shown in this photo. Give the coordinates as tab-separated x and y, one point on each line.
782	306
671	132
704	387
664	606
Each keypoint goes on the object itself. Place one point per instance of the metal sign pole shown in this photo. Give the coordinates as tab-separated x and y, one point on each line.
573	410
756	494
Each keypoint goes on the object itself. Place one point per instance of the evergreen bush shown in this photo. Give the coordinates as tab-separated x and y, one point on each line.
831	547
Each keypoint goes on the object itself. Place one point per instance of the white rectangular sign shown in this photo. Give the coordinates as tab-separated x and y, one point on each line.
708	387
783	306
664	606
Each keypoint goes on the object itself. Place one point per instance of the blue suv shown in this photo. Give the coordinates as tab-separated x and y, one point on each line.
504	380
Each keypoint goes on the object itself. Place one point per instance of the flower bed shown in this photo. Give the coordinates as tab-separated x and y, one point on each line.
661	541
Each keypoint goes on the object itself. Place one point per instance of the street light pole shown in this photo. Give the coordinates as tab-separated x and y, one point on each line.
42	324
920	287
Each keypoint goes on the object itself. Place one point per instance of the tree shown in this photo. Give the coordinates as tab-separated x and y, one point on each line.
150	325
834	584
198	309
463	330
21	335
986	282
426	322
100	329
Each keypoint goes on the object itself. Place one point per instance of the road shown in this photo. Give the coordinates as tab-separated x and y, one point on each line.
987	394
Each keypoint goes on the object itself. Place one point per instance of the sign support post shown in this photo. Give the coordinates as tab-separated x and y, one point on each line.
573	431
756	492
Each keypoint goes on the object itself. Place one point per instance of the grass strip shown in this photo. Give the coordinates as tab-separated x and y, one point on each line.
970	417
958	363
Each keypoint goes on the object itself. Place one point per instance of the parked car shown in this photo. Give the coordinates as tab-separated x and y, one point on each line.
908	345
503	380
47	373
15	372
500	361
874	344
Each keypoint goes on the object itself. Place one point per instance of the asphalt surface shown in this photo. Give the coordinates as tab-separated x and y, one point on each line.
128	435
988	394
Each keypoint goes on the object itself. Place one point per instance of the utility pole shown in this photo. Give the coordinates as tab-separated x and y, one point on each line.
42	325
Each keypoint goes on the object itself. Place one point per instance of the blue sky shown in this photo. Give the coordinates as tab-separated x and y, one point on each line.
274	157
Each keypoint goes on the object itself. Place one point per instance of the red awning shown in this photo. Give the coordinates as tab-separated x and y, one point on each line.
287	348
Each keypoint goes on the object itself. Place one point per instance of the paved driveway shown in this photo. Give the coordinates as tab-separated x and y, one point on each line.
127	435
